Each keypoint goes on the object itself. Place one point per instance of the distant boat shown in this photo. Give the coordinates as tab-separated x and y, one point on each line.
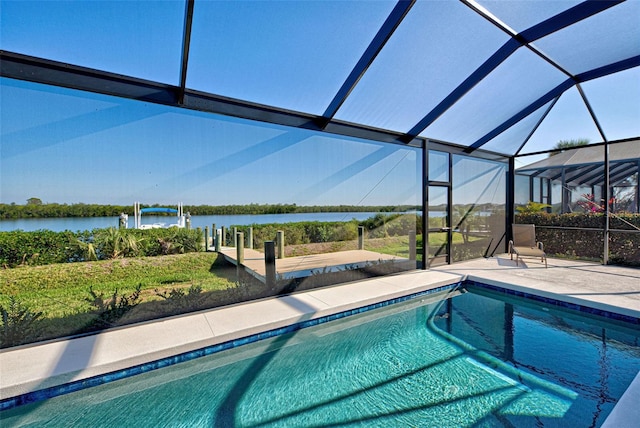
180	217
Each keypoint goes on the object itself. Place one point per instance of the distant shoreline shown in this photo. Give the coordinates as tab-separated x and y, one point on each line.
80	210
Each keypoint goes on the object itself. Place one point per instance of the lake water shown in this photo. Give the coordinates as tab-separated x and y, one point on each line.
89	223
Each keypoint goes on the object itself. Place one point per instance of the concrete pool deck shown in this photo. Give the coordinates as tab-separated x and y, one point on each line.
30	368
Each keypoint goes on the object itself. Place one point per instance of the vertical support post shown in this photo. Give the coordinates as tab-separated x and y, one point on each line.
510	209
250	238
450	213
638	187
425	205
412	245
566	196
187	221
199	231
214	235
223	236
606	189
270	263
239	238
206	238
280	242
218	240
360	237
239	242
549	196
235	233
136	214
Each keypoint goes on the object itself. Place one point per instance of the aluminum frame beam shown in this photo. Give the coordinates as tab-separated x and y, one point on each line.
38	70
537	125
186	43
390	25
555	92
562	20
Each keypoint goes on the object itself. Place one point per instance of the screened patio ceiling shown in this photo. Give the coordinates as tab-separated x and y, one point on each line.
476	75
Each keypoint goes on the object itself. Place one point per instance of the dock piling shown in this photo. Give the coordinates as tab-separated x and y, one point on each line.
280	242
412	245
270	264
239	247
360	237
239	243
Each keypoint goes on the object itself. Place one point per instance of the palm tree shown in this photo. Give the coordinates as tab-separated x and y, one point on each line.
116	243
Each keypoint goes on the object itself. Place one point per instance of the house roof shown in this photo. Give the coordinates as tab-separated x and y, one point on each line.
584	166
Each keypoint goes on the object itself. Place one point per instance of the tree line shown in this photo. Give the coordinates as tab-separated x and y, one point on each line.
55	210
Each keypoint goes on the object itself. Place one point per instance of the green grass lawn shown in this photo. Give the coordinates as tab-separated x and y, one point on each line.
61	293
62	289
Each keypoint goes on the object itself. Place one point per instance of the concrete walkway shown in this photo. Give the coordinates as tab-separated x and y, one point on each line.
30	368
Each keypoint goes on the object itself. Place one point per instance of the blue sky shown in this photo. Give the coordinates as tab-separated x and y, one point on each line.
75	147
64	146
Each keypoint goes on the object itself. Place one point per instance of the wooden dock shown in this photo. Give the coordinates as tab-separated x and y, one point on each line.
303	266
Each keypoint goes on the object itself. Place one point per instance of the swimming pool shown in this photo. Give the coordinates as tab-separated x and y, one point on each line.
480	358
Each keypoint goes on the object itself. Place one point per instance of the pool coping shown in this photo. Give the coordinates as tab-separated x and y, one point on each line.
311	307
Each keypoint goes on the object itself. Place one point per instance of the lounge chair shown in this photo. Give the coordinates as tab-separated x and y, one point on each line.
524	243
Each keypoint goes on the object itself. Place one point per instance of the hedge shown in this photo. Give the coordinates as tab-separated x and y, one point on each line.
588	240
46	247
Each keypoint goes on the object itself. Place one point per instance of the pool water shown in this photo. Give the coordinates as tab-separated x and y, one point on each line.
476	359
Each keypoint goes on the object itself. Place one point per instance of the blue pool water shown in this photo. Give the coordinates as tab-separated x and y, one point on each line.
477	359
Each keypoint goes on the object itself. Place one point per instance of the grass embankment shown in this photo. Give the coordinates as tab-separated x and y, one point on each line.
61	292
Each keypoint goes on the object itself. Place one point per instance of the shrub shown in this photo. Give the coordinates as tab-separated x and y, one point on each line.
35	248
113	243
532	208
179	301
18	324
46	247
112	309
